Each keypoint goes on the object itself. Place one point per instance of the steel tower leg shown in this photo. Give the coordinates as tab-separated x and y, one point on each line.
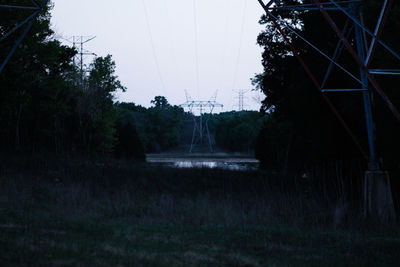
378	201
192	144
209	138
367	100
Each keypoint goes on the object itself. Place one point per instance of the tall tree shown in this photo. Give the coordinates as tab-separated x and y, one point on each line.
44	105
35	85
97	115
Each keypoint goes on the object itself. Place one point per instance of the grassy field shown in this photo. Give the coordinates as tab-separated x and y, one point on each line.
108	213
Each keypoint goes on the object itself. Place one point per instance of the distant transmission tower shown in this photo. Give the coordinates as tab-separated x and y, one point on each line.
200	129
78	43
241	98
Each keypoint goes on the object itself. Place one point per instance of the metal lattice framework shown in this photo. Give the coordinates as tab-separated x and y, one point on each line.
78	43
241	99
362	51
35	8
200	128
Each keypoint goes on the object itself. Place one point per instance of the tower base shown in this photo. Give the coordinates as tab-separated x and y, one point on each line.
378	201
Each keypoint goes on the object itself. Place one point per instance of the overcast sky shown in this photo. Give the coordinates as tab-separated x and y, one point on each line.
162	47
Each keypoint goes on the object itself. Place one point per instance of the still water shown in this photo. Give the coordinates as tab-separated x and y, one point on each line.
237	164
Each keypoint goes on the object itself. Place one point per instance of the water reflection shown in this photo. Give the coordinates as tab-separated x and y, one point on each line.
227	165
191	164
207	161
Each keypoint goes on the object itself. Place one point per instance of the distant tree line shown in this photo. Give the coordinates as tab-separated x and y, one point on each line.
164	127
236	131
159	127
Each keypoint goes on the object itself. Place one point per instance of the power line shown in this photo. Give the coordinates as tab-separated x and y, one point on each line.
224	46
172	38
196	47
240	44
153	47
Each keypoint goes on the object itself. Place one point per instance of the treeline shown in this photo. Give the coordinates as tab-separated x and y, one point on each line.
159	127
164	127
48	105
300	129
236	131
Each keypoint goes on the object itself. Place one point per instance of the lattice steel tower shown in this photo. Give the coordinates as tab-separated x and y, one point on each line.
200	129
241	99
362	51
78	43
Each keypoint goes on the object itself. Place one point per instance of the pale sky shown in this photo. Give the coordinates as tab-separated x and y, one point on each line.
156	53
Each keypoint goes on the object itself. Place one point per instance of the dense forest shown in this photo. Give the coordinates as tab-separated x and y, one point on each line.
300	128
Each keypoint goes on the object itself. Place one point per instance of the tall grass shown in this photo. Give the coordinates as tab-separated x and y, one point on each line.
73	212
153	194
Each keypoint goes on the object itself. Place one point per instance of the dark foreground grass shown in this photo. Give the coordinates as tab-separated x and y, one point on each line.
82	213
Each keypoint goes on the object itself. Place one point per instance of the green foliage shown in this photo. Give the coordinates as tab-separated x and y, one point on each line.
164	127
276	139
160	102
236	131
36	86
46	103
129	145
159	127
95	106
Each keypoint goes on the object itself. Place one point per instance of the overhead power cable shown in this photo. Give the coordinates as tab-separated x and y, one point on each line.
224	48
153	47
240	45
196	48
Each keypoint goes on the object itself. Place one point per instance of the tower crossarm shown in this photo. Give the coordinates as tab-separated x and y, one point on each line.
201	104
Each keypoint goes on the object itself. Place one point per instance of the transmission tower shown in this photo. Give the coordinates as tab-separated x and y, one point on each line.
241	98
201	129
35	8
377	198
78	43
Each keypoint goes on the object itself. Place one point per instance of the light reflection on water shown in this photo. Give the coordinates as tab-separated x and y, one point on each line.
191	164
227	163
235	166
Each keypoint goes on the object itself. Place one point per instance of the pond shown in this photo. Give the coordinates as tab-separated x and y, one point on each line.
236	164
